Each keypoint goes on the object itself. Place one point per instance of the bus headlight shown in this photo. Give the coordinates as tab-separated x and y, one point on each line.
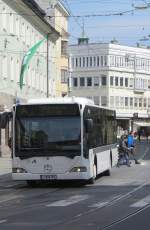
18	170
79	169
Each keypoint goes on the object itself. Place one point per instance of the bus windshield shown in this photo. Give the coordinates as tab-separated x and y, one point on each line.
48	135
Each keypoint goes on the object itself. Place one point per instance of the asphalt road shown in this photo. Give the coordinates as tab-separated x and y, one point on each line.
120	202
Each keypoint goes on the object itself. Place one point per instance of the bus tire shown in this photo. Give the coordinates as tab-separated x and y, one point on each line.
31	183
107	173
111	159
92	180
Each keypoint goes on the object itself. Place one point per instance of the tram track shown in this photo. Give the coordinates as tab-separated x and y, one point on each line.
120	220
79	216
108	204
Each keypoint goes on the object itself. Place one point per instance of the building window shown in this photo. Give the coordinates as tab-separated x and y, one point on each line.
102	61
80	62
97	60
148	102
122	101
103	101
140	102
131	82
89	81
96	81
87	61
105	60
145	83
4	19
131	102
75	81
64	46
12	72
121	81
96	100
145	102
103	80
112	80
126	101
126	82
112	101
82	81
90	61
72	62
112	61
135	102
4	67
83	61
64	76
116	81
94	60
76	62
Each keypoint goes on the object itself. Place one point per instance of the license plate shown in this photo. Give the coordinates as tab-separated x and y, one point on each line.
48	177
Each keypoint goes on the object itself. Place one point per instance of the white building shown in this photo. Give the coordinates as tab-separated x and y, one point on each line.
114	76
22	24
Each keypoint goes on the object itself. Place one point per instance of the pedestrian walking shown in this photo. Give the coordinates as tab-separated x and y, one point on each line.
139	134
131	146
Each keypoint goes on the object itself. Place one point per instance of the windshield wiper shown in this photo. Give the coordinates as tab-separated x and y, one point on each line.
31	148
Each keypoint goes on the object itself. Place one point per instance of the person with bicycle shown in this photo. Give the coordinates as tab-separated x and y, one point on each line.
131	146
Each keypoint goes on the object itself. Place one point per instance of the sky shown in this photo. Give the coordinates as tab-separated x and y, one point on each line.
129	28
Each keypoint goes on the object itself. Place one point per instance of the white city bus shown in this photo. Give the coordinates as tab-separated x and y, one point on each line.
62	139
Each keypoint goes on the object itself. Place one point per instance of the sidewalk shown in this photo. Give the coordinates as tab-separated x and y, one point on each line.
5	165
5	159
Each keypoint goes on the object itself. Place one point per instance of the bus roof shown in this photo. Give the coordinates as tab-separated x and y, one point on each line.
61	100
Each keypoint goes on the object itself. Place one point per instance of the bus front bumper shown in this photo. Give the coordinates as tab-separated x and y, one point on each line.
51	177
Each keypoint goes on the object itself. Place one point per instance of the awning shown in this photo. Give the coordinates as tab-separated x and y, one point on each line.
142	124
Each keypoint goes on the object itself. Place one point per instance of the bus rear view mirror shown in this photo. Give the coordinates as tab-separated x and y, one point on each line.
89	125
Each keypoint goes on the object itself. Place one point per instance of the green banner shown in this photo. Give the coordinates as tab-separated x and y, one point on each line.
27	58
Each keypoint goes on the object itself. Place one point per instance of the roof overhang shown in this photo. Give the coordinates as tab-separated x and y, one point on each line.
32	13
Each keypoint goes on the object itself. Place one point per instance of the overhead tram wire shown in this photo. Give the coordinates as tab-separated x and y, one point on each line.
119	13
72	14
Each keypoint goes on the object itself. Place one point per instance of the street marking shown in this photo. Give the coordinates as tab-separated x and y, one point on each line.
3	221
71	200
145	153
141	203
104	203
98	205
9	198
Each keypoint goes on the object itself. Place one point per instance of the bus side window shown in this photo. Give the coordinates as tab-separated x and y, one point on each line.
89	125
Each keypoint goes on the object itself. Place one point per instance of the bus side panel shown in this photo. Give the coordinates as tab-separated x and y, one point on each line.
103	161
114	156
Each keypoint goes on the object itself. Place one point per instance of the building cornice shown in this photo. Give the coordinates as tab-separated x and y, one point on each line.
35	15
64	10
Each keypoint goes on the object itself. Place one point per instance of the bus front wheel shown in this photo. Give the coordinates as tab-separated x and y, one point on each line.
92	180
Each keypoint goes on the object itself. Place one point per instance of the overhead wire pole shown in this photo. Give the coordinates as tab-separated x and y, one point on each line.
47	92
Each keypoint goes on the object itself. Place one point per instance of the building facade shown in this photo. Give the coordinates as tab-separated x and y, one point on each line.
57	15
114	76
22	26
